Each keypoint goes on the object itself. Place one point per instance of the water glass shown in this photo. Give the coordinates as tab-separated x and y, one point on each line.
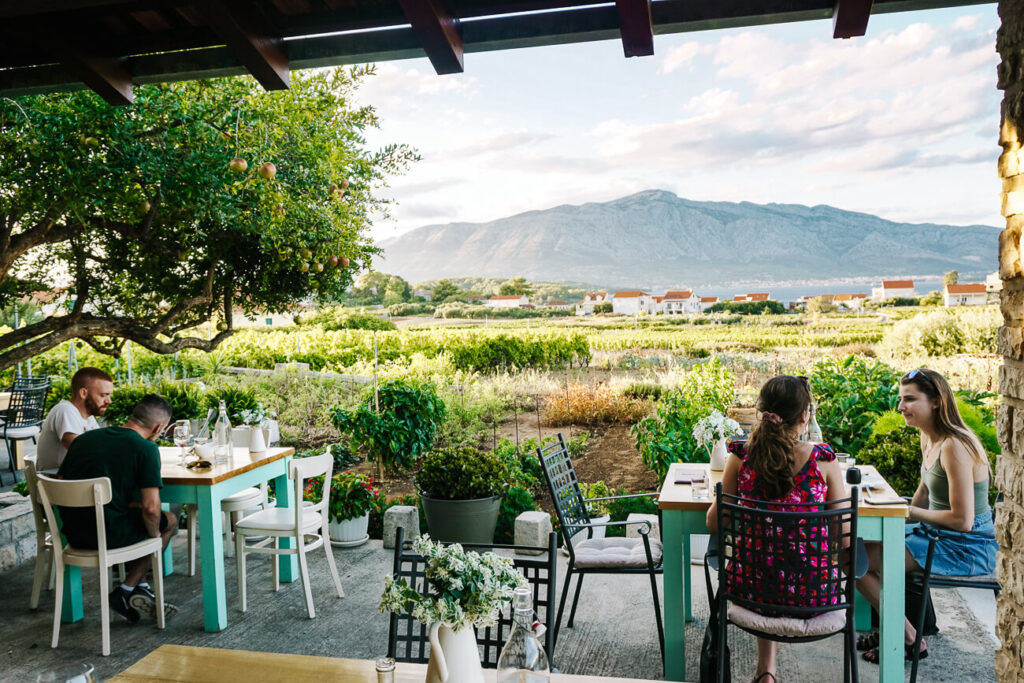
181	433
843	459
699	487
385	670
76	673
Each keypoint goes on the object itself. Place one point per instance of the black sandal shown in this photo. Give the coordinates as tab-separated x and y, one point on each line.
908	653
761	678
868	641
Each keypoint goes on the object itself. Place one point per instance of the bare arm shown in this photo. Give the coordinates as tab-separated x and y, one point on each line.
67	438
151	510
920	498
729	477
836	491
959	469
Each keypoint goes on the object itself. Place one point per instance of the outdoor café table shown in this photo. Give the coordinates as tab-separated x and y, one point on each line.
682	516
205	489
181	664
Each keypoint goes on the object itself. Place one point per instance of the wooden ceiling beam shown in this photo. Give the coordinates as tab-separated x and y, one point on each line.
850	18
637	27
258	51
438	31
105	75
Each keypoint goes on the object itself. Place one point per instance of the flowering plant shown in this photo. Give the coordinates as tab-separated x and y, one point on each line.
713	427
352	495
255	416
465	588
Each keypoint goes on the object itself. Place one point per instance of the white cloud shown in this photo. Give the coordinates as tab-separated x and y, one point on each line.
678	57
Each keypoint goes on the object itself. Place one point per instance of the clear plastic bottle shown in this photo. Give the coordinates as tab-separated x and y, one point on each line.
222	436
813	430
523	659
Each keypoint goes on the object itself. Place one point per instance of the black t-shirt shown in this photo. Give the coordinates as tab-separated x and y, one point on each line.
132	463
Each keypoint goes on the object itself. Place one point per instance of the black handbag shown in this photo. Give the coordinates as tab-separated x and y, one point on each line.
709	648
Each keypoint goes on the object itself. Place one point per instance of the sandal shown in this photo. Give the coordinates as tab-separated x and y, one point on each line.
868	641
908	653
762	679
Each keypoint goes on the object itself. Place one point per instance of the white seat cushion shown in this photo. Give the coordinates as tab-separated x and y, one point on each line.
243	500
22	432
823	624
595	553
277	519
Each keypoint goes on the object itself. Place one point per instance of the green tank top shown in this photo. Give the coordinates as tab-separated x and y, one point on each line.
937	483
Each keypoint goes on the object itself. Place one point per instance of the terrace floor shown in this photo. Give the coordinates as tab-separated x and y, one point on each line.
614	632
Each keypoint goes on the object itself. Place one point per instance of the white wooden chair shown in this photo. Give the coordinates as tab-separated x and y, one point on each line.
232	507
298	522
44	546
94	493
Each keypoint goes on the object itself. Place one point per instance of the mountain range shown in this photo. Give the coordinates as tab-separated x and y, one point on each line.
656	239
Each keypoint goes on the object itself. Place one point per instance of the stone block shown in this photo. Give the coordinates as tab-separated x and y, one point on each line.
633	530
8	558
25	549
1008	139
532	528
405	516
1009	252
1009	163
1011	381
24	525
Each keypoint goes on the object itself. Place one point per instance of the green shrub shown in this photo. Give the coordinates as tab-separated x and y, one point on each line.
462	473
649	391
403	429
850	394
945	332
667	437
341	318
749	307
410	309
603	307
517	500
235	399
896	454
598	489
621	509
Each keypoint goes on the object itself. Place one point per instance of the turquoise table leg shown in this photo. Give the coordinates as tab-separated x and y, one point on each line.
675	612
288	564
168	556
71	607
861	613
891	609
215	613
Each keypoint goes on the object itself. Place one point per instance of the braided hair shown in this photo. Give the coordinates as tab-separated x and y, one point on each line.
783	401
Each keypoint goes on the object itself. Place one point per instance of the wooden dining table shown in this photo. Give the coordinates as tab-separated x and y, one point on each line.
205	489
683	515
185	664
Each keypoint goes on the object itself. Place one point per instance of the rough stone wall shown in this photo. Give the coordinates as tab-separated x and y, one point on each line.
17	531
1010	465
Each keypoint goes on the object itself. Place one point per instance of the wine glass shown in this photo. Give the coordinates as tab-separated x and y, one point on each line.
181	433
75	673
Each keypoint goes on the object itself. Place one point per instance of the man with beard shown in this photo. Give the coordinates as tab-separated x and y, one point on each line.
90	395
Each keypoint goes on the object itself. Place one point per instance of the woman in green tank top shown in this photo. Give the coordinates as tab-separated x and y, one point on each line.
952	496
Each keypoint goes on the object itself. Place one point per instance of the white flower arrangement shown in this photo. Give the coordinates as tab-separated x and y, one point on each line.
255	416
713	427
466	588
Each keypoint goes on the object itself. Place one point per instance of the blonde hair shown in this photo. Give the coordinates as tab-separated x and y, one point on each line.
948	422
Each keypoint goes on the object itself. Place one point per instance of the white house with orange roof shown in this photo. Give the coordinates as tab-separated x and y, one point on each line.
589	301
631	302
970	294
894	289
851	301
507	301
758	296
559	304
707	302
677	302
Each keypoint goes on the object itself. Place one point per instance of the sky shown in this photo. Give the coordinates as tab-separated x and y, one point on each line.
902	123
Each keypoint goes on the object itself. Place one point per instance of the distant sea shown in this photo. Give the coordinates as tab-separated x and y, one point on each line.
791	291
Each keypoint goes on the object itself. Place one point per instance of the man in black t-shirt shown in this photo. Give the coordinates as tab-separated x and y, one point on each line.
128	456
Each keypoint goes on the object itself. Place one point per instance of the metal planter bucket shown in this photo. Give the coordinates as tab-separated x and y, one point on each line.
462	521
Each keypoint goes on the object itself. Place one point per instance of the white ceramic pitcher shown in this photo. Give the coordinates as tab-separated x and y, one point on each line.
454	657
719	455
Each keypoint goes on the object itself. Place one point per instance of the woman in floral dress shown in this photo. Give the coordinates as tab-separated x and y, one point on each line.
774	465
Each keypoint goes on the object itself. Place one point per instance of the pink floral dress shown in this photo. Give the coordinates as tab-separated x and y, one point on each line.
751	581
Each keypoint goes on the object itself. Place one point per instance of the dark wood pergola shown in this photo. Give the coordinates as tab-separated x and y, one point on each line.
112	45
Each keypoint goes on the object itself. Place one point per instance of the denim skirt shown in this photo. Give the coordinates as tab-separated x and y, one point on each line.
958	553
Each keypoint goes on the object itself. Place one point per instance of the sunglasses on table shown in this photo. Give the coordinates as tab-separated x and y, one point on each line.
199	464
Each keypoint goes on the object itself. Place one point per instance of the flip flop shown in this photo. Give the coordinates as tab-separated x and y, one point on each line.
908	653
762	679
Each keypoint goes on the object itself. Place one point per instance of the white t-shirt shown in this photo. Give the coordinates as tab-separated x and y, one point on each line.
62	418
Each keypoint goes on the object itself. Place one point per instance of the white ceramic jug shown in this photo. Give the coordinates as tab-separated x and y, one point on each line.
454	657
719	454
257	444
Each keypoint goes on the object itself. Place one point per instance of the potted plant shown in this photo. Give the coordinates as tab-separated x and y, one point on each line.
463	589
711	432
461	489
352	498
597	510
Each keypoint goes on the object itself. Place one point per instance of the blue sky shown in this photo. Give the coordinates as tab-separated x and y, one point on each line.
902	123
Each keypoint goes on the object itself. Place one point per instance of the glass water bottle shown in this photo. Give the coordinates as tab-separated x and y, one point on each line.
523	659
222	436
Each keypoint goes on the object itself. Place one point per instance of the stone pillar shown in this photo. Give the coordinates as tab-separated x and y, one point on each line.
1009	476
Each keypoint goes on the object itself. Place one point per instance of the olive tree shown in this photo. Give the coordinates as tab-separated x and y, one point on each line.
202	197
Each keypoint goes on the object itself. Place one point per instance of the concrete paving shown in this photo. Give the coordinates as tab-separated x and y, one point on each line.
614	634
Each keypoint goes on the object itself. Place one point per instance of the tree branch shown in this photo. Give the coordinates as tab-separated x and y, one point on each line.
184	305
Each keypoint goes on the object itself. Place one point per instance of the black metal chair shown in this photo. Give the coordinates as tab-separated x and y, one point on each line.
24	414
926	580
641	555
765	554
408	639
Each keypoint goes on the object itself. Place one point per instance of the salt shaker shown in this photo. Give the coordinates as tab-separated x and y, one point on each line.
386	670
